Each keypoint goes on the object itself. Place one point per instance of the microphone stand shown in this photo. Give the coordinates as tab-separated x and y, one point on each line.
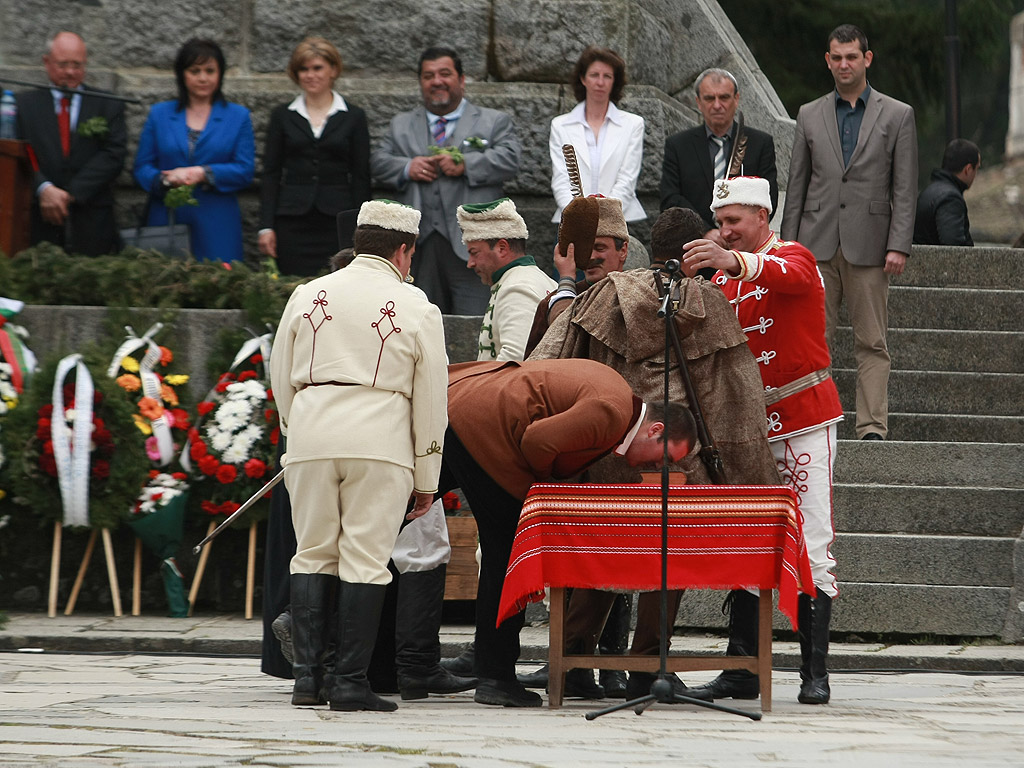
661	688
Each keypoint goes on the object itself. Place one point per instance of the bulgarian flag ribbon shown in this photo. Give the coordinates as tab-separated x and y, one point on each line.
71	445
150	382
12	349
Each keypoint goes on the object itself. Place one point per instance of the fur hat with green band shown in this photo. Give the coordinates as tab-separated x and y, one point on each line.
388	214
491	221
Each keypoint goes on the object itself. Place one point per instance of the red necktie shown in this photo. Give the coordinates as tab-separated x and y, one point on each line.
439	131
64	123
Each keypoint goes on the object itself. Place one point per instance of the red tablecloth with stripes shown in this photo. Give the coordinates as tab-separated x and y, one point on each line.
609	537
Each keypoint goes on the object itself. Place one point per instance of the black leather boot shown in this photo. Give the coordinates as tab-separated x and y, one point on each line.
310	596
417	641
614	642
537	679
463	663
814	615
639	684
282	629
743	619
359	607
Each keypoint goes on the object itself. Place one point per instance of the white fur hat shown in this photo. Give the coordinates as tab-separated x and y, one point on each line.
742	190
389	215
491	221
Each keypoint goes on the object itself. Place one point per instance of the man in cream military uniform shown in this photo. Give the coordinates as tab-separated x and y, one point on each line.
359	374
495	237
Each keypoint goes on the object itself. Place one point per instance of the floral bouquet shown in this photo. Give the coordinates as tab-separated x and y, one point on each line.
157	519
17	363
61	440
233	444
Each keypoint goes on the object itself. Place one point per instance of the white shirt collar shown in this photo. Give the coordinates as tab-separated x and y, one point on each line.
455	114
579	114
624	445
337	105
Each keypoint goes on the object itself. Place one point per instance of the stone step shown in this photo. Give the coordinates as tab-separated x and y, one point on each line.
975	561
956	465
949	267
952	427
868	608
956	308
928	510
995	394
919	349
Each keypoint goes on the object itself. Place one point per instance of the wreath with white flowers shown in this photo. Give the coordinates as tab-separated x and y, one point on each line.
233	445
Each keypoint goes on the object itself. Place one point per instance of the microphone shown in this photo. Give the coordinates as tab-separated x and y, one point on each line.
672	266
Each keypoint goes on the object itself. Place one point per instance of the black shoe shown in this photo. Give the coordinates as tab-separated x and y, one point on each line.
579	684
442	681
538	679
505	693
731	684
614	683
639	684
815	691
282	629
462	664
871	436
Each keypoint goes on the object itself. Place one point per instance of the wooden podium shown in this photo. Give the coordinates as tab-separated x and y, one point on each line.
15	196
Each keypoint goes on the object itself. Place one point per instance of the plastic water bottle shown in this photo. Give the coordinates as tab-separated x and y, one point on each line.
8	116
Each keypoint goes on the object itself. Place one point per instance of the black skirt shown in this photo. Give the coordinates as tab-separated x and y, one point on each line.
305	243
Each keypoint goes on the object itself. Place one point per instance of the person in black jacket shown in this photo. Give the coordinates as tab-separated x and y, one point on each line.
316	163
941	208
79	144
688	171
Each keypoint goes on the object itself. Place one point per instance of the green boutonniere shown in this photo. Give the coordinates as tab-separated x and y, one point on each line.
94	128
179	196
475	143
453	152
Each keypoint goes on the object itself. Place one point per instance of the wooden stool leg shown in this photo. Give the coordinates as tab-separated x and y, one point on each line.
250	572
137	579
86	558
51	607
115	590
556	648
764	648
197	579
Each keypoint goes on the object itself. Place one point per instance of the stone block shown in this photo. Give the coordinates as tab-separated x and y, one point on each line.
979	561
996	394
974	465
373	37
922	349
124	33
981	309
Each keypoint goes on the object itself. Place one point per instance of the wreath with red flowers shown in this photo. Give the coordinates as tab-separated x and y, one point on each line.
117	468
233	445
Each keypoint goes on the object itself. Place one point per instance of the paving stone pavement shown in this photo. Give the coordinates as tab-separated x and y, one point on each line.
189	706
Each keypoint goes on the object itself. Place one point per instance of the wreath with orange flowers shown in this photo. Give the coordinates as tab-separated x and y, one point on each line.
233	445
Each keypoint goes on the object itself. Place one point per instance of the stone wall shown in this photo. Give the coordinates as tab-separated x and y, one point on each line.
517	56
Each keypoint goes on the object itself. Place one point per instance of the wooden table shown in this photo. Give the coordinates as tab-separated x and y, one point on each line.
609	537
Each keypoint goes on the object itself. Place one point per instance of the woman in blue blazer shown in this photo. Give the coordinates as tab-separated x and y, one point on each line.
203	140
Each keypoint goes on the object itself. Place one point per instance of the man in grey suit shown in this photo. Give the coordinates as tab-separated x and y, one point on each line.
438	183
851	200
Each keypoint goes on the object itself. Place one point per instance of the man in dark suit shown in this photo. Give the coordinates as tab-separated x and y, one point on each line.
851	201
696	157
79	145
437	185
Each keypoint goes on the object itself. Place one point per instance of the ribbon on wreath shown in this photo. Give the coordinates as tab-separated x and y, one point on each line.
71	446
12	349
150	382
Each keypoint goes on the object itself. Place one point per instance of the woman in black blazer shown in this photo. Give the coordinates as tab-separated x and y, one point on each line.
316	163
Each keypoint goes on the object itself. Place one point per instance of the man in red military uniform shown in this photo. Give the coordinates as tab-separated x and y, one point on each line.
779	298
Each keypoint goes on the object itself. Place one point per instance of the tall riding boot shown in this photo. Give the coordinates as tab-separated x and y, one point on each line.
743	624
310	593
463	663
359	607
615	642
814	616
382	673
417	641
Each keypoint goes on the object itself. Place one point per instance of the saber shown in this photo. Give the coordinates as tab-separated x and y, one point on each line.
255	497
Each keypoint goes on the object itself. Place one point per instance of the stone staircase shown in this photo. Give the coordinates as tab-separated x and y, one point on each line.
929	523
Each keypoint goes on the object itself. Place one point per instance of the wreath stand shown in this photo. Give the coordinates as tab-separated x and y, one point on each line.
250	570
108	551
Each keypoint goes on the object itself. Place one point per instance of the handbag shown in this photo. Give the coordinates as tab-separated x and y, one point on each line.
169	239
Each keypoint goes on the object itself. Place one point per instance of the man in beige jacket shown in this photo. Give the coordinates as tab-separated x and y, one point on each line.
359	374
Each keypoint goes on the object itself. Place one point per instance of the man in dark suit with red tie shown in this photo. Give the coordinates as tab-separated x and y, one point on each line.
78	149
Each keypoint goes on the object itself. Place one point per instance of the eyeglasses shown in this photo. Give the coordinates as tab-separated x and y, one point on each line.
73	66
